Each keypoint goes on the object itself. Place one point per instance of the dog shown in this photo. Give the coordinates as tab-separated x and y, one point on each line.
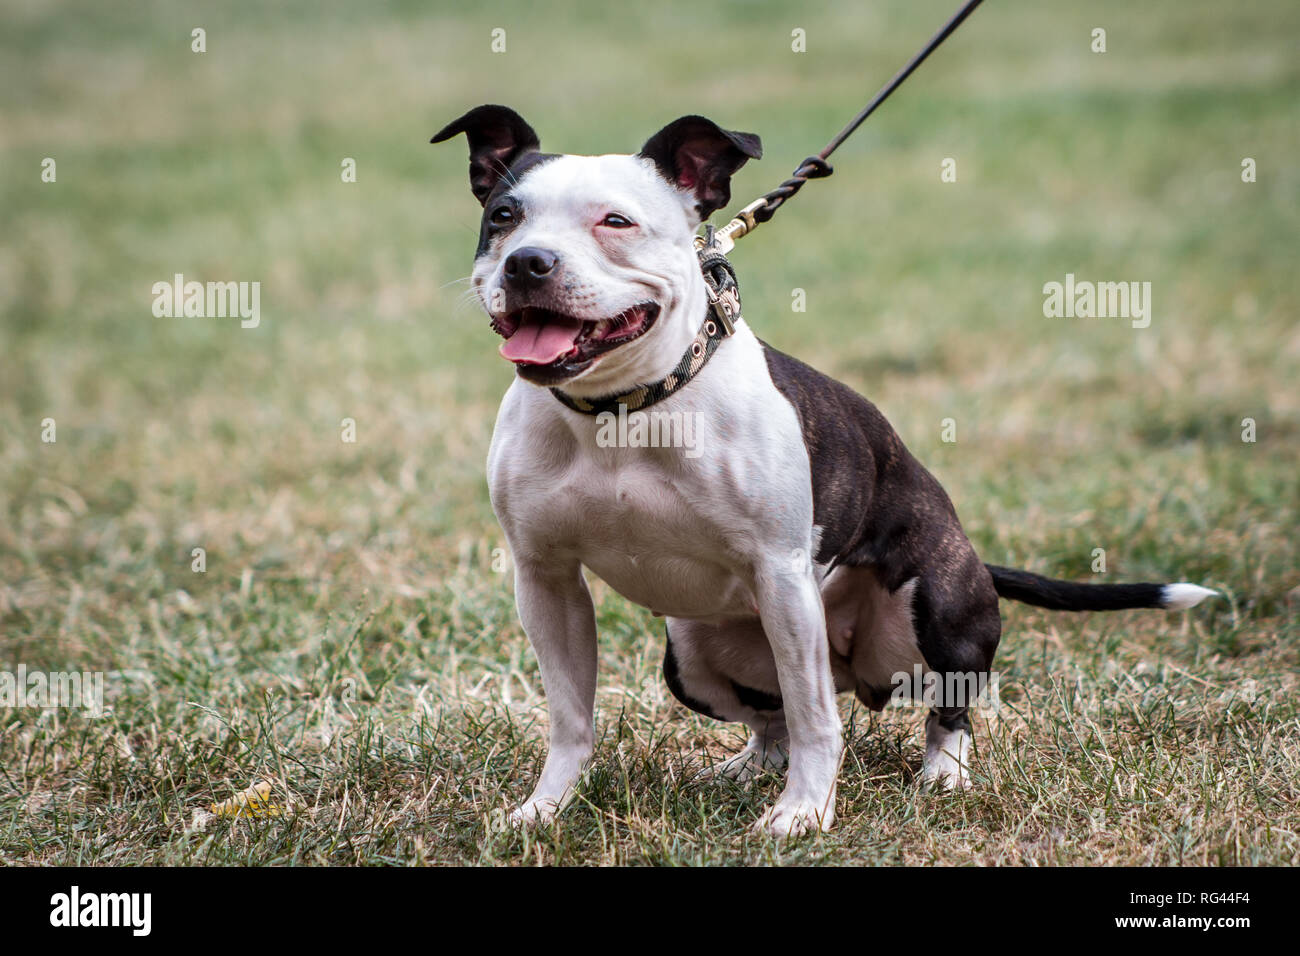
797	551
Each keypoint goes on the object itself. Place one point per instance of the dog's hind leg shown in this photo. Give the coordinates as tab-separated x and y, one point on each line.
692	653
958	625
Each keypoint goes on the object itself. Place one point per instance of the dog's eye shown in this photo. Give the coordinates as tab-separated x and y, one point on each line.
502	216
615	221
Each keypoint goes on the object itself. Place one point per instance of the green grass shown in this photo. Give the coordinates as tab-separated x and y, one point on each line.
350	639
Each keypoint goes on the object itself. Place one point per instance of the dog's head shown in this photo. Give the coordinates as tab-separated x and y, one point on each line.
585	263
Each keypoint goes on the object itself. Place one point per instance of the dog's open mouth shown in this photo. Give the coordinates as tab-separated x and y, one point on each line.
552	346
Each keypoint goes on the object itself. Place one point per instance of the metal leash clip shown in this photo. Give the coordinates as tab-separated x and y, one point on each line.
725	238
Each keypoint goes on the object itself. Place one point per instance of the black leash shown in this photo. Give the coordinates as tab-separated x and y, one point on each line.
816	167
720	278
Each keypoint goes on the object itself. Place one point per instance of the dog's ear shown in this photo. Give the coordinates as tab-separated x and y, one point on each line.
696	154
497	137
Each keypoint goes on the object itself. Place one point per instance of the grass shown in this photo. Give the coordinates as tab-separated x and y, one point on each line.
353	639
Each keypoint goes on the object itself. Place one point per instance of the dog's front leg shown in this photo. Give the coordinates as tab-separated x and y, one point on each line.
795	623
560	621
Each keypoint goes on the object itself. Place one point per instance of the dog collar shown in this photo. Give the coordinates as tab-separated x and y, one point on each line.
719	323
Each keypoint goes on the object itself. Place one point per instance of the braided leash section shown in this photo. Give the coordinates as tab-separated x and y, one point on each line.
814	167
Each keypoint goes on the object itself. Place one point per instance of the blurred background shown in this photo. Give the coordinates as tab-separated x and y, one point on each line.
372	561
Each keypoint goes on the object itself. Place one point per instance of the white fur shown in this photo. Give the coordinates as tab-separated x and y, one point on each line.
1176	597
947	757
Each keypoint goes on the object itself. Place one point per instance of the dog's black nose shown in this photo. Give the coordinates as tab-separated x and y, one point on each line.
529	264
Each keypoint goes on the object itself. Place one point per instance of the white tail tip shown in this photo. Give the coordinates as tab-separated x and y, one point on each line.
1175	597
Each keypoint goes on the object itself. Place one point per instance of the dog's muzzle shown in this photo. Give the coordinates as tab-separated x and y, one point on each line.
548	346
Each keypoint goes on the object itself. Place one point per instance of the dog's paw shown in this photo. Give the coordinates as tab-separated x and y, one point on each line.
942	771
795	818
533	814
744	766
741	767
947	757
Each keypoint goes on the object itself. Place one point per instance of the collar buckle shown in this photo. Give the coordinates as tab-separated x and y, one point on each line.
724	305
720	282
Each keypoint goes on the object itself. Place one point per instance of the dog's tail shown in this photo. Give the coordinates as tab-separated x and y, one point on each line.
1068	596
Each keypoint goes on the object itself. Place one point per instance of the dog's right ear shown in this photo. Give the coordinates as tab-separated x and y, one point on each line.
497	137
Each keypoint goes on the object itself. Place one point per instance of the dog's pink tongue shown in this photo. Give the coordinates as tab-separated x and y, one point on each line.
542	341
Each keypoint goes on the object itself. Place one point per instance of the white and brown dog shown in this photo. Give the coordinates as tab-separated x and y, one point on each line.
795	546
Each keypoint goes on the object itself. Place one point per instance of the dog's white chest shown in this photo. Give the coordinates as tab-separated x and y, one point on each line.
675	530
645	528
658	546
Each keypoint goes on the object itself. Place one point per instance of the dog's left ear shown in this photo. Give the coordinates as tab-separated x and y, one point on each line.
697	154
497	137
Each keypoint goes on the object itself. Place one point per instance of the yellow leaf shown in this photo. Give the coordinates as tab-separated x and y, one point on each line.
253	802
